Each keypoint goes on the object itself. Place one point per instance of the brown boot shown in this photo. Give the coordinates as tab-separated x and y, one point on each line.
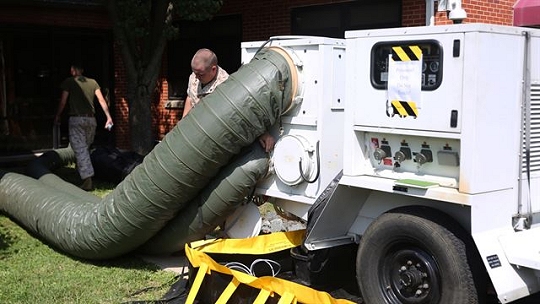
87	184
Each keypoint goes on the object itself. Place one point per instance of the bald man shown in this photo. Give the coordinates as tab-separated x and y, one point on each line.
205	77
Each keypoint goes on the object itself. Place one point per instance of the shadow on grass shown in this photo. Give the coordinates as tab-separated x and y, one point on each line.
129	260
126	261
5	240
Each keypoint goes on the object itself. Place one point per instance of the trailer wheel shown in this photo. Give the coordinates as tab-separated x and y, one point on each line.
414	256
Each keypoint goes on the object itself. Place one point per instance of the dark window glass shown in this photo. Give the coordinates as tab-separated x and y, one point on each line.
332	20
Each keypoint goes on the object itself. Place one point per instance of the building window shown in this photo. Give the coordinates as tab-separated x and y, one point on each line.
332	20
33	63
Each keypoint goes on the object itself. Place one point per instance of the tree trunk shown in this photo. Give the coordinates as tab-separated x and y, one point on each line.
142	54
140	119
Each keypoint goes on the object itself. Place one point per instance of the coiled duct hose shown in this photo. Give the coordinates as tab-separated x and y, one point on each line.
171	175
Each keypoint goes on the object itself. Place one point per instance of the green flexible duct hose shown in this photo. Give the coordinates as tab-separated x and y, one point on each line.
41	168
241	109
209	209
216	202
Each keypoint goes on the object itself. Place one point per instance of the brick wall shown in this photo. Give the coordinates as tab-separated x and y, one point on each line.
121	110
490	11
164	119
482	11
413	13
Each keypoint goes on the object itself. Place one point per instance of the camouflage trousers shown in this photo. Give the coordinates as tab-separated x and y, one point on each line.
81	136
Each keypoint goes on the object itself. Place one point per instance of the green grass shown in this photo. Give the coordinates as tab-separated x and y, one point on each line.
33	272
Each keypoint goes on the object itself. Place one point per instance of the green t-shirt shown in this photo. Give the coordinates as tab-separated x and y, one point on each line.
81	91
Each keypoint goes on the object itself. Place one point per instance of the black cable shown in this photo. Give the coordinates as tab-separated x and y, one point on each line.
318	166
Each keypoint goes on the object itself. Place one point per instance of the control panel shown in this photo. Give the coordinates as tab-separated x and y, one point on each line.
431	60
400	156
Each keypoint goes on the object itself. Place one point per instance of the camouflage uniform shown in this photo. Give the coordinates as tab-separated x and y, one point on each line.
196	91
81	136
82	123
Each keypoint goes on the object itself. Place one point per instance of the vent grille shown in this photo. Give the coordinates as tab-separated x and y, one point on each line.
534	165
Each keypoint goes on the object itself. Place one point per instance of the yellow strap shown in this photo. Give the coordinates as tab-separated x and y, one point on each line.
203	268
262	297
287	298
227	293
303	293
262	244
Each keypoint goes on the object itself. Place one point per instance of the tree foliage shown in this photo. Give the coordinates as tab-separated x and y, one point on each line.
142	29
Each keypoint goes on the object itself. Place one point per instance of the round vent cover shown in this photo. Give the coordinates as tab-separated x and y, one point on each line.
289	152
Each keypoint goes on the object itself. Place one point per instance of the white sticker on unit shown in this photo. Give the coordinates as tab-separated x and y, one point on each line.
405	80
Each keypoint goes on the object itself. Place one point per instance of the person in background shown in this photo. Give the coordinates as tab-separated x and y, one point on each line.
205	77
79	91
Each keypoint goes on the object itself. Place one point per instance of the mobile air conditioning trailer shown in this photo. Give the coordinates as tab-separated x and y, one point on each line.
422	145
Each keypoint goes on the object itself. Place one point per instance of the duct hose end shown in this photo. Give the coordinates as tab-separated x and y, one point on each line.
288	103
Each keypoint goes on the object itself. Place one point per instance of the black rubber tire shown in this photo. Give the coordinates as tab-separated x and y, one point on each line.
415	255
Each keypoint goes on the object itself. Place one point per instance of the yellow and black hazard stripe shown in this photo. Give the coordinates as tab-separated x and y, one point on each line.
405	108
406	53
